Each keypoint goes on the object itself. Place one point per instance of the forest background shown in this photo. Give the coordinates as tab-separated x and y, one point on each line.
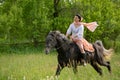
24	22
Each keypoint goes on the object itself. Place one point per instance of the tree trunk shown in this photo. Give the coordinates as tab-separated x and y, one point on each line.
56	13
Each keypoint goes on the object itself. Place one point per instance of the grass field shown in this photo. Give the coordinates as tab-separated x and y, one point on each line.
38	66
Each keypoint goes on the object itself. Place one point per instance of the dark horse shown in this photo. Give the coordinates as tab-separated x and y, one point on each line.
70	55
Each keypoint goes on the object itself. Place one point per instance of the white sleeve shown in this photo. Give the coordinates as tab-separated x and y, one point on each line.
69	30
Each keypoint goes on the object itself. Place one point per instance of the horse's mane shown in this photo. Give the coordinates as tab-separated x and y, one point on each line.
60	36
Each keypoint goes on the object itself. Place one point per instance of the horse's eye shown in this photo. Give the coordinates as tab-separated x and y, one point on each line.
50	40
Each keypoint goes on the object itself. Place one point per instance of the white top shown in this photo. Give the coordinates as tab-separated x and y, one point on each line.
76	31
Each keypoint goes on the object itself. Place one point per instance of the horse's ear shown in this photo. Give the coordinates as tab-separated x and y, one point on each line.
50	31
58	32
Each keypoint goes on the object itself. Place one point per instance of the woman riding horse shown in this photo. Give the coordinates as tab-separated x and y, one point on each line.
77	30
70	55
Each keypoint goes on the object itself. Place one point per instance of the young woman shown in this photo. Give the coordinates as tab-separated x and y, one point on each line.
76	30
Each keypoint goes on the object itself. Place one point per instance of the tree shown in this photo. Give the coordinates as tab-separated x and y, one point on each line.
31	20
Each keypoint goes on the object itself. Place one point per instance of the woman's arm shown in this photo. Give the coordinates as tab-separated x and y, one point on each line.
88	24
85	24
67	35
69	30
91	26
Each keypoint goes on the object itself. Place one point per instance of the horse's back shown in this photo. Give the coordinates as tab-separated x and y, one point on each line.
75	51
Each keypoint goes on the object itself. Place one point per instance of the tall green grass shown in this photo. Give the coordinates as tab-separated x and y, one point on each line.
39	66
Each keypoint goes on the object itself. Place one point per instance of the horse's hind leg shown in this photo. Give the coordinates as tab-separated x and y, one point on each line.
107	64
109	67
96	67
59	68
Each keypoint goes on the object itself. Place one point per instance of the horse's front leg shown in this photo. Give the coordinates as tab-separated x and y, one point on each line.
74	65
59	68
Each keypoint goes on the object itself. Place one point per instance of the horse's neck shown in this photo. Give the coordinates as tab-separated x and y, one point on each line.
63	43
60	44
62	47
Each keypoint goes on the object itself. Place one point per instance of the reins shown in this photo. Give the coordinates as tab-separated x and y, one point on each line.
59	47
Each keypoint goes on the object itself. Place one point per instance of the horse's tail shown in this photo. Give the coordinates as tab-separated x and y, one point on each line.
107	53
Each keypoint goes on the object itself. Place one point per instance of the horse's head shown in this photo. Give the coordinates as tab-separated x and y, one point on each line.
53	39
50	41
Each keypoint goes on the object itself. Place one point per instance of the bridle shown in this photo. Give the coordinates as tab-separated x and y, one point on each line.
59	47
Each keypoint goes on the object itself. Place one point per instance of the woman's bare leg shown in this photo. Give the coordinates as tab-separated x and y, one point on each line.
80	45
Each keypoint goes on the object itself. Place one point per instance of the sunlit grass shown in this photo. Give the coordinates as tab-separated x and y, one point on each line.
39	66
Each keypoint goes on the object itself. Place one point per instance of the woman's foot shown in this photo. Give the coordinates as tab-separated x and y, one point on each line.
84	59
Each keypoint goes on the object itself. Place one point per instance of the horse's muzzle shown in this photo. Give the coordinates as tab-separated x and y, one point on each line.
47	50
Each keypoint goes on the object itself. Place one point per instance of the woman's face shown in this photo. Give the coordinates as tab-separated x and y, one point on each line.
76	19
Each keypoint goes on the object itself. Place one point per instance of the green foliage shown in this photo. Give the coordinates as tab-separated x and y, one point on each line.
29	20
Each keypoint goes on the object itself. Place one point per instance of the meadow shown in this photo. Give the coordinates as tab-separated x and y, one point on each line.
39	66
